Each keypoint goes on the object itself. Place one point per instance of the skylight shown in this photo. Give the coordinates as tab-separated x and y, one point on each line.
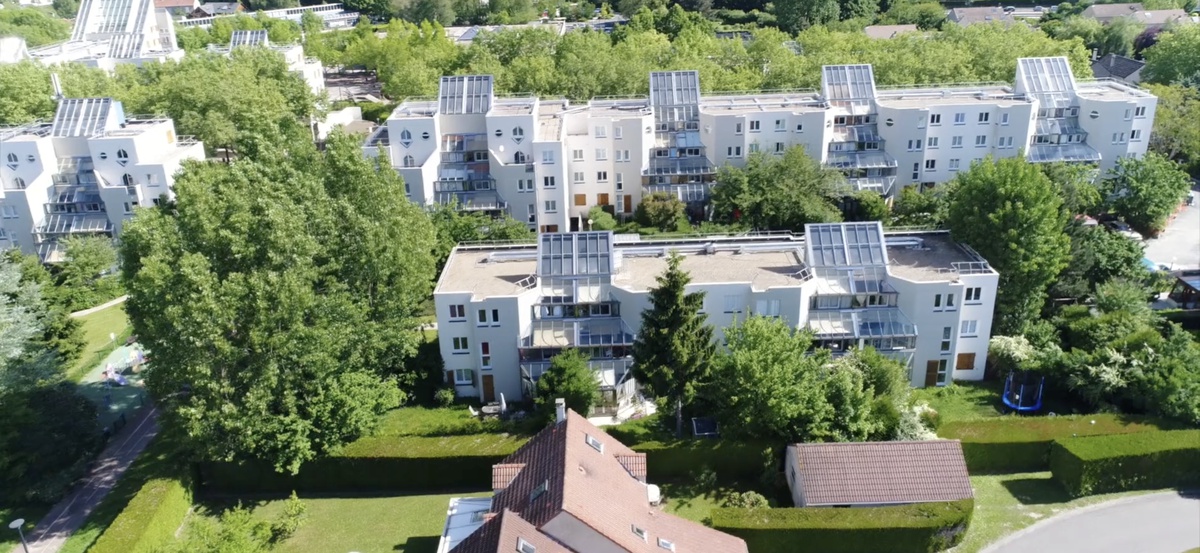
538	491
596	445
666	544
525	547
639	532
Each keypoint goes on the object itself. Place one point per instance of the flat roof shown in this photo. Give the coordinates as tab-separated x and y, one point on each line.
762	270
932	260
550	120
470	271
922	97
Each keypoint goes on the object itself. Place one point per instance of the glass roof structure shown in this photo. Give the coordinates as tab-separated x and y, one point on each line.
1066	125
848	84
845	244
674	88
575	254
1049	153
1048	79
85	116
465	94
843	281
868	323
257	37
865	159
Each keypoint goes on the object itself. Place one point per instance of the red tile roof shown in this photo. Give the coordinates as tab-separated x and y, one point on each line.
567	480
881	472
503	474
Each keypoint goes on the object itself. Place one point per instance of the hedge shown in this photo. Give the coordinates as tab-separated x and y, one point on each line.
150	520
1105	464
680	458
921	527
1022	444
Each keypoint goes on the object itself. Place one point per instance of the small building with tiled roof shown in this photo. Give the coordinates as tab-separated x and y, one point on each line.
574	489
1112	66
866	474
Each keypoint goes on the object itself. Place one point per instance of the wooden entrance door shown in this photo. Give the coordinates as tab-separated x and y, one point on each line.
628	207
489	389
931	373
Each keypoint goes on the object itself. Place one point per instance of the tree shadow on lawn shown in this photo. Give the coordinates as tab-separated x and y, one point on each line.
1036	491
422	544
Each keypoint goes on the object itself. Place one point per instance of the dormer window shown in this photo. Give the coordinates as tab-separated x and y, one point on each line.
639	532
518	134
538	491
12	158
122	154
666	544
592	441
405	138
525	547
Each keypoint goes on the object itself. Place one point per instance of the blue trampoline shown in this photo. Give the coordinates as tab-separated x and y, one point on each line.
1023	391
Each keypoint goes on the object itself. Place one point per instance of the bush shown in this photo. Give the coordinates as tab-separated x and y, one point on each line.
444	397
899	529
1022	444
150	520
746	500
1105	464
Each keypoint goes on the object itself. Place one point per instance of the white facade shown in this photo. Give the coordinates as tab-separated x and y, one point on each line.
310	69
84	173
504	311
109	32
332	14
548	161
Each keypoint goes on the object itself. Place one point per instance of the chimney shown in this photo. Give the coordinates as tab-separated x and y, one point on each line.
560	410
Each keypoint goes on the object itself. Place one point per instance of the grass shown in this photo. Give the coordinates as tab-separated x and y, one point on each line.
689	500
96	328
1007	503
157	460
1013	429
31	513
970	401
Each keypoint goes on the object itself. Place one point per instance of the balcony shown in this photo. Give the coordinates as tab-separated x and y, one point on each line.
553	333
882	185
456	157
615	376
58	225
869	159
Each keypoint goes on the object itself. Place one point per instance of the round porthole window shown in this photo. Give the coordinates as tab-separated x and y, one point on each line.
31	159
425	136
889	122
499	133
103	155
1094	114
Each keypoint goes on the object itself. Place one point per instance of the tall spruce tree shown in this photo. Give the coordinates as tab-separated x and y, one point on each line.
674	349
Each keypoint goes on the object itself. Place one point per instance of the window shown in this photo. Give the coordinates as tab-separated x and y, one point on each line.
981	141
737	129
767	308
525	547
592	441
458	312
622	155
941	371
12	158
122	155
8	212
945	347
538	491
666	544
916	170
580	200
954	164
1003	118
753	147
969	328
518	134
620	182
531	213
754	126
734	151
949	300
1135	136
459	344
932	143
1139	111
1118	138
601	132
1005	142
576	155
617	133
483	318
799	127
525	185
548	182
19	183
914	145
935	119
127	208
733	304
547	156
984	117
930	164
937	302
577	176
780	125
464	377
601	176
409	161
956	142
127	180
601	154
639	532
551	206
779	147
960	118
973	294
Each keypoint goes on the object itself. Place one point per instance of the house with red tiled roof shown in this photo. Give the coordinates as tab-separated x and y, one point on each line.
574	489
865	474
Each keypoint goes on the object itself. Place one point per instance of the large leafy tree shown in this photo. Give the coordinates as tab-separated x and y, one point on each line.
1146	191
1098	256
1175	58
280	296
662	211
1010	212
778	193
569	378
796	15
454	225
60	332
674	348
35	25
1176	136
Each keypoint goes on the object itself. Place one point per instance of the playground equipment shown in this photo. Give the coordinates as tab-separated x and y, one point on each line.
1023	391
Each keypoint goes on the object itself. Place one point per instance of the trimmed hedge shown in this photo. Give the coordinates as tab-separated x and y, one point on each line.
1022	444
150	520
1105	464
679	459
922	527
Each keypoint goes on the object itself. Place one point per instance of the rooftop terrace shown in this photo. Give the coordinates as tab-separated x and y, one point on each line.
932	257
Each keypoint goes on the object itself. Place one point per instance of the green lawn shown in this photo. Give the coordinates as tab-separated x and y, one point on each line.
408	524
687	500
96	328
31	514
1007	503
967	401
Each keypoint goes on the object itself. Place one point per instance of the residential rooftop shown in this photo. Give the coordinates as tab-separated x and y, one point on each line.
933	257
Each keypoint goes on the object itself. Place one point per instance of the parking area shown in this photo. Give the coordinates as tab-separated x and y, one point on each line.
1178	247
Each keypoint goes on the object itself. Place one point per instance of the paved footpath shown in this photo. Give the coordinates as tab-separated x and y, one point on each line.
69	514
100	307
1167	522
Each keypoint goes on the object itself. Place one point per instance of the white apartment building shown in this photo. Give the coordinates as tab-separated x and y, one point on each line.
311	69
549	161
334	16
504	311
83	173
109	32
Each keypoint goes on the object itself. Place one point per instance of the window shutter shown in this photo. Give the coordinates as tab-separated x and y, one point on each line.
450	377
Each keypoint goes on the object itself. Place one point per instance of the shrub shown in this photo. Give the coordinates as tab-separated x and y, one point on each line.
1022	444
444	397
899	529
295	512
150	520
1105	464
673	460
746	500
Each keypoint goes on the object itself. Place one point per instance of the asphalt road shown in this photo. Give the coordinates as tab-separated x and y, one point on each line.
69	514
1178	247
1159	523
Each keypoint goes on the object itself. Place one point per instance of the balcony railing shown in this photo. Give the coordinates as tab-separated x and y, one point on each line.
487	184
552	333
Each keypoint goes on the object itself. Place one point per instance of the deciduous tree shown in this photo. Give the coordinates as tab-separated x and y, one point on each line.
778	193
1175	136
674	348
1145	191
1175	58
569	378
